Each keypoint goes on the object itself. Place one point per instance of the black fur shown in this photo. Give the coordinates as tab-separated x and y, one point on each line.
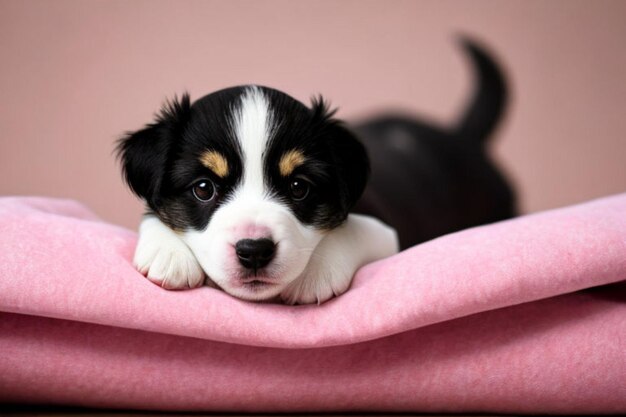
145	153
161	162
336	162
428	181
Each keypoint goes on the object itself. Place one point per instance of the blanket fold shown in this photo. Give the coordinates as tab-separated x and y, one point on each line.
488	319
57	260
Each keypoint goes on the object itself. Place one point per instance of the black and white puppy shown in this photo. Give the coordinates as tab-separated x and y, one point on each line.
252	190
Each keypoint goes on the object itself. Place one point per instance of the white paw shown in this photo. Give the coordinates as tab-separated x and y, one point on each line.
338	256
321	280
165	259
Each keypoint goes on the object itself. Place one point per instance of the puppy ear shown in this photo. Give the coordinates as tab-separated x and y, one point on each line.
348	154
144	154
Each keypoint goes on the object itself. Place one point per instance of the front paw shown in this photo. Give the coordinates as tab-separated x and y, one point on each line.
168	263
318	283
360	240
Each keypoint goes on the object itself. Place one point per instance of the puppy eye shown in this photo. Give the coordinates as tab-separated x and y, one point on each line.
299	189
204	190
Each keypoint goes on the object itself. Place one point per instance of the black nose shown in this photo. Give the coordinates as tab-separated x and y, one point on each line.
255	253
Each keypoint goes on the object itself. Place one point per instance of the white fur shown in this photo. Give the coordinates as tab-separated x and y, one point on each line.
360	240
252	125
164	258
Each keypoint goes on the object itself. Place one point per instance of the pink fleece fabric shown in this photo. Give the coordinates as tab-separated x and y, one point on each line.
491	319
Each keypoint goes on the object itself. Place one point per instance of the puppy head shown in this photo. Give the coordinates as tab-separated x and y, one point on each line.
250	179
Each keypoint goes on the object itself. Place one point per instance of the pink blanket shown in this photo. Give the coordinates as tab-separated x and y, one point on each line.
491	319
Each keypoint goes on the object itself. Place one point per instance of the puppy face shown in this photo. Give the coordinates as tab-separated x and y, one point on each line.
250	179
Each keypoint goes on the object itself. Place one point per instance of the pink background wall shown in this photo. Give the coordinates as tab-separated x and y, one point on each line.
75	75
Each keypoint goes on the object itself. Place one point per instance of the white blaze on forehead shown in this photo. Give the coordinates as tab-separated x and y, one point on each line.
252	125
249	207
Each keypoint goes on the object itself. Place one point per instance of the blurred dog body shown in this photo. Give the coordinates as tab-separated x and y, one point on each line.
427	181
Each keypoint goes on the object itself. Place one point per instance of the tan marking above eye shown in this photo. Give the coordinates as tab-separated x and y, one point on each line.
216	162
290	161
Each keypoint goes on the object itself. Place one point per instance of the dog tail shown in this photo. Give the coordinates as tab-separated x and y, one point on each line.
488	102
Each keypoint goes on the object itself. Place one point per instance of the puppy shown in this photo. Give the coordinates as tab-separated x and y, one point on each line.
251	191
254	189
